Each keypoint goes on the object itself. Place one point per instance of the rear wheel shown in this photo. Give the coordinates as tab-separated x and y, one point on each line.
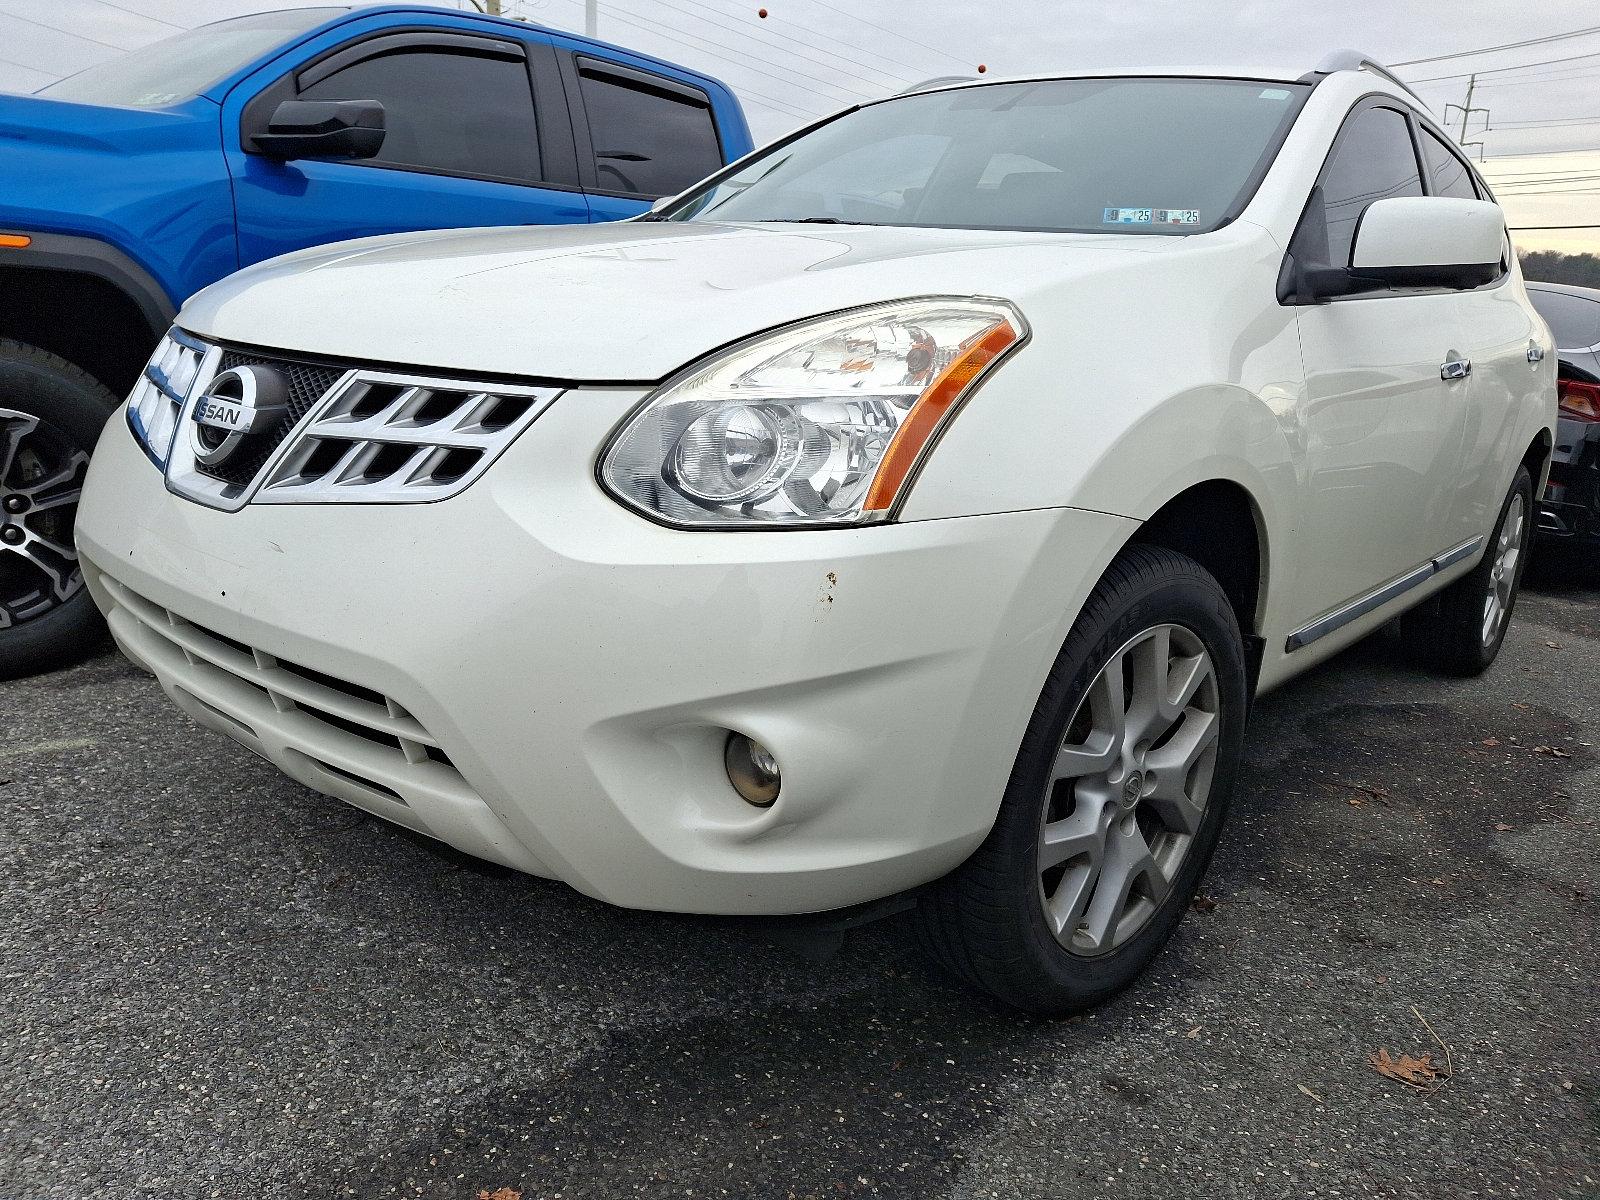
1464	633
50	415
1116	800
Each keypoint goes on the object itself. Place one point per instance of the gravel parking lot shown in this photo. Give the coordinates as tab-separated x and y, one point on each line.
216	983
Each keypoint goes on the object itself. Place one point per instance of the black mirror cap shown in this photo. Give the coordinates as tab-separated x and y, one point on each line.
322	129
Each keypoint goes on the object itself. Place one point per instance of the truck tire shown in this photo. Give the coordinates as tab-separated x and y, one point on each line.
51	414
1116	800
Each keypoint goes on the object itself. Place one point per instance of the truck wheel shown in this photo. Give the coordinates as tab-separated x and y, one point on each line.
1116	800
51	412
1463	634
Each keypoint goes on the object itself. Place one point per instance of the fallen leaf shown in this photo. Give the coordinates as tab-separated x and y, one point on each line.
1305	1091
1203	903
1523	707
1491	741
1554	645
1382	979
1414	1070
1355	802
499	1194
1502	827
1193	1033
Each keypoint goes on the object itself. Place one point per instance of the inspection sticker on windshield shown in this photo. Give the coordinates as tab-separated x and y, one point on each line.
1126	216
1177	216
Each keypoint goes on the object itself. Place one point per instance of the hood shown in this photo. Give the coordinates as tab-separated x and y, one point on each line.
119	174
622	303
39	121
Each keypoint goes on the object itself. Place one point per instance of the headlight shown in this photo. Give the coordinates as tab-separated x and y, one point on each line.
157	399
822	423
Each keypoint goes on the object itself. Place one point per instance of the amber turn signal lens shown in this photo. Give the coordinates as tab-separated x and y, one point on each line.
15	241
929	412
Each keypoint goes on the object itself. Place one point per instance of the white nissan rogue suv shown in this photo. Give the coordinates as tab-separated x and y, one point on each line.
913	508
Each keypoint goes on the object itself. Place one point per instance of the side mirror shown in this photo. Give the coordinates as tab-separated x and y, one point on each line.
1429	241
323	129
661	203
1408	241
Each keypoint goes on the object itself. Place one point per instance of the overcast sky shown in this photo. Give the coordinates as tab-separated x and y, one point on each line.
811	56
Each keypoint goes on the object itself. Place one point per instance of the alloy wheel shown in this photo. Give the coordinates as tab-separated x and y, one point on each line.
1503	573
41	481
1129	790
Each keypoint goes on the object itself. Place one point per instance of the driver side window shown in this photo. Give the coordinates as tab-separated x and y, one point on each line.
1373	161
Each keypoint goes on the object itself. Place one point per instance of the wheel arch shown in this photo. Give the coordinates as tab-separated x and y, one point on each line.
86	302
1537	459
1219	523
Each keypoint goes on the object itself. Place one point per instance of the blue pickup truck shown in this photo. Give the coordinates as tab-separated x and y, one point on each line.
132	185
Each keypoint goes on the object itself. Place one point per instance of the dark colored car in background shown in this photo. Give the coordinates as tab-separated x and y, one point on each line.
1570	510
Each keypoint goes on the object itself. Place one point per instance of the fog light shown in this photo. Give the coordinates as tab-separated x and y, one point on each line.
752	769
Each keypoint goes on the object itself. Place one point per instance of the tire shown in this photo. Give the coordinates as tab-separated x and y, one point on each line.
986	921
51	414
1455	635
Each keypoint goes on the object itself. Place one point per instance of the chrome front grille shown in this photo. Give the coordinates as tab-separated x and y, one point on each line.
346	434
156	404
307	383
387	438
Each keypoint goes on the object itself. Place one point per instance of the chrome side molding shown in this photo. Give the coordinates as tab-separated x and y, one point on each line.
1379	596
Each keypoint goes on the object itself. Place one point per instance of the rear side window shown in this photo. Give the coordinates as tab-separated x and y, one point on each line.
1447	174
1374	160
446	111
1574	320
648	141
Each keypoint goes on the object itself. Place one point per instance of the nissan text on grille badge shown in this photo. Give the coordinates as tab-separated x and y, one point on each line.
238	402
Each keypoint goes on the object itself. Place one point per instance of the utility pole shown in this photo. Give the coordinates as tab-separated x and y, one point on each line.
1466	112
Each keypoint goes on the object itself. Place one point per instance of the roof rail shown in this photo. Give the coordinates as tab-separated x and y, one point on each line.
1354	60
935	82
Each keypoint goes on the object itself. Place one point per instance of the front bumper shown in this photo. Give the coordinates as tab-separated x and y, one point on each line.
536	676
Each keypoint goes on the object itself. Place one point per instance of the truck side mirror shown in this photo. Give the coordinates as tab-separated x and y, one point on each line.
322	129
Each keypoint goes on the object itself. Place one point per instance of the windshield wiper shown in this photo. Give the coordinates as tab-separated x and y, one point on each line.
807	221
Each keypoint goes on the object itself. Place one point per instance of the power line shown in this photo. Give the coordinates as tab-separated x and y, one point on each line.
1538	41
770	101
893	33
1548	123
1528	228
667	31
766	45
815	35
1544	62
136	13
58	29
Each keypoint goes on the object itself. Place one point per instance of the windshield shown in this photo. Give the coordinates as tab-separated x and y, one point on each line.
1125	155
181	67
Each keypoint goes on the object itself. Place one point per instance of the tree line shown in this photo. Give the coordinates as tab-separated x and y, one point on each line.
1551	266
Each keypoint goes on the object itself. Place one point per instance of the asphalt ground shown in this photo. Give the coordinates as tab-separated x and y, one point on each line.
216	983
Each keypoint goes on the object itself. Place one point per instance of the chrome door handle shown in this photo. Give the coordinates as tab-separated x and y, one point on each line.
1455	368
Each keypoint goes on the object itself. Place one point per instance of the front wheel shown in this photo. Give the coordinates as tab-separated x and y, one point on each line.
1116	799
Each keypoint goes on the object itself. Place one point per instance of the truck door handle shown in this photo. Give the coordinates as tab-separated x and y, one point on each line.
1455	368
1535	352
